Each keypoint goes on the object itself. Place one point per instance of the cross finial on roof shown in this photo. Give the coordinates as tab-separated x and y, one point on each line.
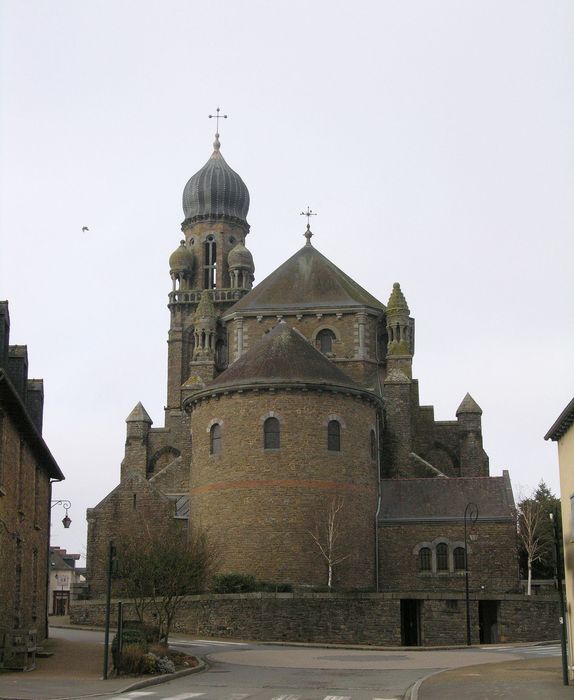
217	117
309	213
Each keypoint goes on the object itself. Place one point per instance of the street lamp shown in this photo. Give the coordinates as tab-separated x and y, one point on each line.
66	520
470	516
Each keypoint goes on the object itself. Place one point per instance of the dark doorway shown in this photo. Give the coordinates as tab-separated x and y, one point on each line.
488	621
410	623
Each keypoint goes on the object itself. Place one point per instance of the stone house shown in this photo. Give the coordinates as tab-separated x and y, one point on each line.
27	470
292	395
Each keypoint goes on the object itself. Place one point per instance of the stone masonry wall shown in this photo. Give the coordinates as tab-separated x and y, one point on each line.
345	347
25	512
260	504
344	619
492	558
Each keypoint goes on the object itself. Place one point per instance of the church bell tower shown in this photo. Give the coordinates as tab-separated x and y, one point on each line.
210	271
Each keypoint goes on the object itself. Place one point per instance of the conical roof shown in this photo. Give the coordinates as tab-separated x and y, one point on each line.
282	355
139	414
205	308
469	405
397	301
306	280
215	191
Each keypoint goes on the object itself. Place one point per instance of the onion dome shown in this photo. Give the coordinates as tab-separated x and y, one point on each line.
215	192
240	257
181	259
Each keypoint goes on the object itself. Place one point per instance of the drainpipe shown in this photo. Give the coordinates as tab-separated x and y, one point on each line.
377	438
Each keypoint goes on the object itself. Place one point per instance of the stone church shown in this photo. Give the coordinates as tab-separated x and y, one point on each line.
294	399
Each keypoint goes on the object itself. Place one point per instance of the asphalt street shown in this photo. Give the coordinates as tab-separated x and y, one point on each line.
246	671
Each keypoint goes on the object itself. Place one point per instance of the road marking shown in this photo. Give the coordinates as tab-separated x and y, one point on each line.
139	693
337	697
286	697
205	642
184	696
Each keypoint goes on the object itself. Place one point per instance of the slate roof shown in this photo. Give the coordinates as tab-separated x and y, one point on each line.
282	355
412	500
306	280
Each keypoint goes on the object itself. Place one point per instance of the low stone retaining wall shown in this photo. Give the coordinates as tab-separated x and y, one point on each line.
371	618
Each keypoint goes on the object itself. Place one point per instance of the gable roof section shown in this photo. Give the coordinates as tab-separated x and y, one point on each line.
562	423
416	500
307	280
282	356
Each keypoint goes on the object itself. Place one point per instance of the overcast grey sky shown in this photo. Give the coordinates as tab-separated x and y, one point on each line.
434	139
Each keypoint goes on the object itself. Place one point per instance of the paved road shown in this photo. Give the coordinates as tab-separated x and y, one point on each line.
274	672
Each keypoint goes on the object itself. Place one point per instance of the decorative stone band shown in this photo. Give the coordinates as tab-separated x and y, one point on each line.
216	392
282	483
214	217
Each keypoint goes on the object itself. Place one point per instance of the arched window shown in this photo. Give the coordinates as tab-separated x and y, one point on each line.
271	434
458	556
373	445
334	436
425	562
215	439
210	266
324	341
441	557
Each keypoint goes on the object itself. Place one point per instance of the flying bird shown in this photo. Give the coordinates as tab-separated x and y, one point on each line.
85	228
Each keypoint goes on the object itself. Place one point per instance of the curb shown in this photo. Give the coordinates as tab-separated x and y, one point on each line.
154	680
164	678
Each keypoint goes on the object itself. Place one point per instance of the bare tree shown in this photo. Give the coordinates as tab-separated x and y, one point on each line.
327	535
534	533
160	566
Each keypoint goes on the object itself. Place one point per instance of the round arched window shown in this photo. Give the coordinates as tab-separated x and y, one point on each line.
324	341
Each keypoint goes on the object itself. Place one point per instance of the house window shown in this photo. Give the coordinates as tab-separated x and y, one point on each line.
373	445
271	434
182	507
458	556
425	561
334	436
441	557
215	439
324	341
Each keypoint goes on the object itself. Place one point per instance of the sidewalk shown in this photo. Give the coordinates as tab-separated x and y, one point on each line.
75	669
529	679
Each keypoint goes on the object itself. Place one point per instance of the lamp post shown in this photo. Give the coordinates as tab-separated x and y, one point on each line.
558	571
470	516
66	520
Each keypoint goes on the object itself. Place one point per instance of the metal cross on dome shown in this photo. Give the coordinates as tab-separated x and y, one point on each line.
309	213
217	117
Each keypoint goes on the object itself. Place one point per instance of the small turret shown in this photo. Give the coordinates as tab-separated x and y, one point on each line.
400	333
138	425
473	458
181	266
241	267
